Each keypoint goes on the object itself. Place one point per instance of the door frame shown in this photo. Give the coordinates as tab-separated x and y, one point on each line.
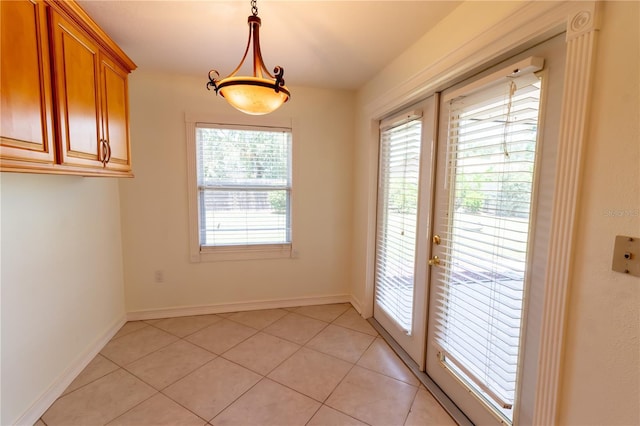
528	24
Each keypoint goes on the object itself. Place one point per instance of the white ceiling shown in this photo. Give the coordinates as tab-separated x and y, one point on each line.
330	44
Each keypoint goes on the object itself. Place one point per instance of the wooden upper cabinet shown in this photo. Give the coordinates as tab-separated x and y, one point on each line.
26	122
115	115
87	90
76	66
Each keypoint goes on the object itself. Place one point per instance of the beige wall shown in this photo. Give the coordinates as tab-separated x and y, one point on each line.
600	383
463	24
62	253
155	210
62	286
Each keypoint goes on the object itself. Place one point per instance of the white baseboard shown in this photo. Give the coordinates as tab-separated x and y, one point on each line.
183	311
355	302
42	404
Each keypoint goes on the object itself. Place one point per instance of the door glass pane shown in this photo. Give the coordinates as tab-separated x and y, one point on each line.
397	221
492	152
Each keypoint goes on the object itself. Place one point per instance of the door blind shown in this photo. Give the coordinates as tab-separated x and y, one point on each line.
397	219
491	159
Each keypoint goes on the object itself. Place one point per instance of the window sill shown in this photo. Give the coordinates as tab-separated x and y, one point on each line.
256	252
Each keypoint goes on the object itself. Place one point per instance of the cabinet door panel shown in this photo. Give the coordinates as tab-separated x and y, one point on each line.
76	79
115	114
26	120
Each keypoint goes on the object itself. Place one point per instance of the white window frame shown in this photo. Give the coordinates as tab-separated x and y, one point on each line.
198	253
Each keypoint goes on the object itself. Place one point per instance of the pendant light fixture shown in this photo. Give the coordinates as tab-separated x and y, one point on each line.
257	95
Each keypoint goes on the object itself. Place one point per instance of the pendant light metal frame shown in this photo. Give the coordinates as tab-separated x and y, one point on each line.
261	75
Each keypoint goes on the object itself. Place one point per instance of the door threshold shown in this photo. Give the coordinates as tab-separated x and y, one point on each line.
442	398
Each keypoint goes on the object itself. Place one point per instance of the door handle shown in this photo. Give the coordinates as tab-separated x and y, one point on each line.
435	260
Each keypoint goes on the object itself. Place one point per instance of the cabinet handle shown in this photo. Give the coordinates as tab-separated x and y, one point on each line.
106	144
103	148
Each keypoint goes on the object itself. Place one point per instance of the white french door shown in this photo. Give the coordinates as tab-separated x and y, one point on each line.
492	198
403	213
465	192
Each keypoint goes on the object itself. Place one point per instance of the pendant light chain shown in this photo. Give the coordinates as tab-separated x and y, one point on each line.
254	8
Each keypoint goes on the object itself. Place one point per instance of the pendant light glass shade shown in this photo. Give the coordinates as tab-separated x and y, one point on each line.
252	95
259	94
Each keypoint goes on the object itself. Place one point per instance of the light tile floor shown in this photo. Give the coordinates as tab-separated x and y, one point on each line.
313	365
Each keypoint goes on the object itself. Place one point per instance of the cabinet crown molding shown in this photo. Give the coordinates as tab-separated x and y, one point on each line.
76	13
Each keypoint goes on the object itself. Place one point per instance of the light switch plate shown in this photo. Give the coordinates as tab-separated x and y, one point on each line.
626	255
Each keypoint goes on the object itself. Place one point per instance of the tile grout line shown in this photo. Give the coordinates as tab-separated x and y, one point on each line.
255	372
301	346
247	325
284	360
319	319
262	377
322	403
187	335
441	398
413	401
233	346
326	324
355	364
126	334
265	376
160	392
234	401
177	402
88	383
377	336
314	414
208	421
153	351
342	380
126	411
221	356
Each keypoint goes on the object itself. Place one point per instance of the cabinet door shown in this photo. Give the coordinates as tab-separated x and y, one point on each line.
26	124
115	115
76	69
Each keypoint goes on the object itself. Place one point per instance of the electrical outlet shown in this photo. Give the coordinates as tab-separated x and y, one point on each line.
626	255
158	276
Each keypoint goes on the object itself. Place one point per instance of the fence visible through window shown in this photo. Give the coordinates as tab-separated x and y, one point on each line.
244	185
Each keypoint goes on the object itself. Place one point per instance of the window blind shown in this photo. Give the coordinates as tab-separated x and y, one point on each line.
397	219
492	142
244	185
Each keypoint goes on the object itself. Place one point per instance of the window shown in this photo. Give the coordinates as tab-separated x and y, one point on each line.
242	189
397	218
